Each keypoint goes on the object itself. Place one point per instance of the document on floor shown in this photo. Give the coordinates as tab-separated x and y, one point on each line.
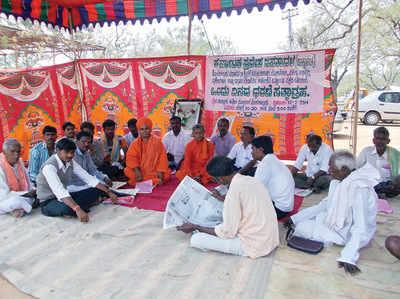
117	185
145	187
192	202
303	192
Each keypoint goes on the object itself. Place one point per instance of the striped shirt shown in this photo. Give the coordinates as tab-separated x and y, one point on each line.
37	156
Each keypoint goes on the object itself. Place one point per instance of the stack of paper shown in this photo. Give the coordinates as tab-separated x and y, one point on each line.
145	187
303	192
117	185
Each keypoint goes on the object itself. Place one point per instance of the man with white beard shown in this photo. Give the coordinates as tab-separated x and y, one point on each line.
347	216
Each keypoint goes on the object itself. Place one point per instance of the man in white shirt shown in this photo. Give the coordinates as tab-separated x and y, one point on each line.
53	179
347	216
241	152
133	132
16	193
317	155
175	142
275	176
386	160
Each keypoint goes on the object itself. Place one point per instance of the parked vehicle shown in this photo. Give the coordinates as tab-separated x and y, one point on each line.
338	123
383	105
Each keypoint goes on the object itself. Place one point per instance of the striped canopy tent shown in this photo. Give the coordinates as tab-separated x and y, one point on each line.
73	14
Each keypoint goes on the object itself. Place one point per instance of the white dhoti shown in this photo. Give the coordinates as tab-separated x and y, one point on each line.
316	230
208	242
12	203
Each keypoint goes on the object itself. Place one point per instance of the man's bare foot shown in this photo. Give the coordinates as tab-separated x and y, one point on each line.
18	213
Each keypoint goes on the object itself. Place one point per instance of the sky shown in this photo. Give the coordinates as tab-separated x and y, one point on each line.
251	33
257	32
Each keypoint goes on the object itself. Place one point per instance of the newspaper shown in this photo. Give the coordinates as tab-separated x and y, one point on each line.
192	202
117	185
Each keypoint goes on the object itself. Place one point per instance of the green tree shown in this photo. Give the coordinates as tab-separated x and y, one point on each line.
333	24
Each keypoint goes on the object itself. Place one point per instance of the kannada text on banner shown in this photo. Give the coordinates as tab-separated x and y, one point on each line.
278	83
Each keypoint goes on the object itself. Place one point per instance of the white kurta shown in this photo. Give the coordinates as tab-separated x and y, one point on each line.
241	154
12	200
359	225
277	178
315	163
176	145
381	163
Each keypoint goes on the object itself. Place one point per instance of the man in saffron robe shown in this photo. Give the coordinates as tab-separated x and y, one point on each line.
197	154
146	158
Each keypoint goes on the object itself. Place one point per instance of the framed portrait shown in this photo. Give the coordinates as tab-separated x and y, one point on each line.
189	111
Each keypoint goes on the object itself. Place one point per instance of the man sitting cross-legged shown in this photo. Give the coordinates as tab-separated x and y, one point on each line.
146	158
249	226
198	152
53	179
133	132
317	154
241	152
83	158
41	152
275	176
347	216
386	160
96	149
16	194
112	145
175	142
223	140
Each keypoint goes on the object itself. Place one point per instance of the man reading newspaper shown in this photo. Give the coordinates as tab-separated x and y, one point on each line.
249	226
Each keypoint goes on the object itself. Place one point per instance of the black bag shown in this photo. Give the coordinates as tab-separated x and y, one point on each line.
305	245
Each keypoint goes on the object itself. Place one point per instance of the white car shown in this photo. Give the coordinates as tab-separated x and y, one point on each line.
383	105
338	124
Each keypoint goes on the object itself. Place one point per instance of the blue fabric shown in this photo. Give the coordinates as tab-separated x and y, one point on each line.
37	156
86	162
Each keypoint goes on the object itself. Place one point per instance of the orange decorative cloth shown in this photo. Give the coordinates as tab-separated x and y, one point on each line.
15	184
150	157
197	155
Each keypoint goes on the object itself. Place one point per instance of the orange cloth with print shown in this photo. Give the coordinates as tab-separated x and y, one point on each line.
150	157
197	155
15	184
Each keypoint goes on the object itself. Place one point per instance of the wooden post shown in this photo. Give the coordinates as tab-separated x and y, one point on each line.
16	59
77	72
189	3
357	91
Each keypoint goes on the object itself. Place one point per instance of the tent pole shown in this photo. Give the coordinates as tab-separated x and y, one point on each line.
357	91
189	3
16	59
76	68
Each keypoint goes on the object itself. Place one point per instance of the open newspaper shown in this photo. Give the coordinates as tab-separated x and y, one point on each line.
192	202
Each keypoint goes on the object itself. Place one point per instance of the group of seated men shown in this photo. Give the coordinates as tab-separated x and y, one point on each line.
68	176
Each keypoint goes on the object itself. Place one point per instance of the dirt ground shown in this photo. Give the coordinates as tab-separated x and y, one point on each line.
341	141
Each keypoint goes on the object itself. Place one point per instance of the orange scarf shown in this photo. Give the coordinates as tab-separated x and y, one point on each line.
15	185
203	153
